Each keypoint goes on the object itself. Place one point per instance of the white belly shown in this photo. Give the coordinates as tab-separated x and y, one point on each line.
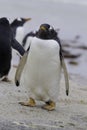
19	34
19	38
42	71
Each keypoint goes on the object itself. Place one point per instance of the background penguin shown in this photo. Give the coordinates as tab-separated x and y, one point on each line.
41	67
17	26
7	42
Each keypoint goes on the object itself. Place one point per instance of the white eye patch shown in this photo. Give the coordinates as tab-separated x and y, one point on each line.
8	19
51	27
19	19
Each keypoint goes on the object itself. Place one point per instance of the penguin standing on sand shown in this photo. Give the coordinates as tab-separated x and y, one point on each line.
41	66
17	26
7	42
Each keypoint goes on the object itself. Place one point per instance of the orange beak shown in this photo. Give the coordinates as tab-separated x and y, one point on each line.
27	19
42	28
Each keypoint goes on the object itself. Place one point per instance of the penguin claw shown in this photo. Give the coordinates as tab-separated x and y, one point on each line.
30	103
6	80
50	106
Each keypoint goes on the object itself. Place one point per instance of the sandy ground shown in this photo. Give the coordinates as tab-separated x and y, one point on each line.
70	113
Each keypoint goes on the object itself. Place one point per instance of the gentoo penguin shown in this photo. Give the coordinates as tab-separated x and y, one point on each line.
40	68
7	42
17	26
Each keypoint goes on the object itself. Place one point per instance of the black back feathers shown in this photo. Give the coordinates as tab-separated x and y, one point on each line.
7	41
5	46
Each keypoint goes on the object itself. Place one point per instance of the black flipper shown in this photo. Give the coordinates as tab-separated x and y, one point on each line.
21	67
16	45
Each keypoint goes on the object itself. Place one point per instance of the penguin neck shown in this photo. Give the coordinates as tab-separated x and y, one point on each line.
43	36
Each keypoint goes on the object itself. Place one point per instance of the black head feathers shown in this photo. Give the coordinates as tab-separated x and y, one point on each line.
19	22
46	31
4	21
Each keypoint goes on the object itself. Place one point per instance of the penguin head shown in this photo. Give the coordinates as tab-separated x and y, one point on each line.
44	27
4	21
46	31
19	21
